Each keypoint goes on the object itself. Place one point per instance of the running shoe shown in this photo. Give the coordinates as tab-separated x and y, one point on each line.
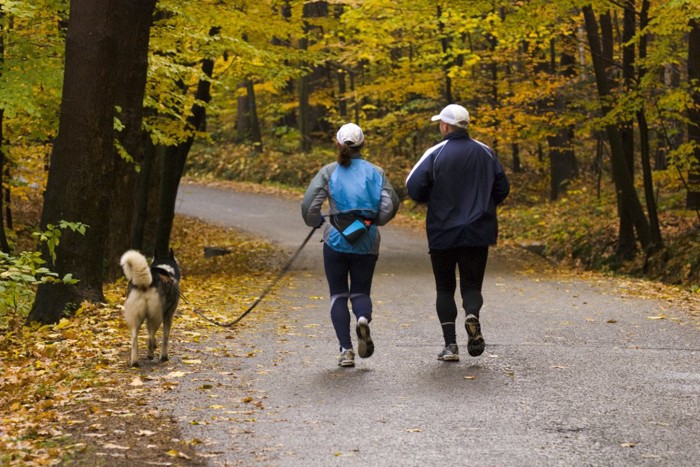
449	354
365	346
347	358
476	343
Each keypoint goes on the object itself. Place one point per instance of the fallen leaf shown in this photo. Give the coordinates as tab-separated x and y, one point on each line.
145	433
176	453
414	430
661	316
470	377
136	381
115	446
628	445
192	362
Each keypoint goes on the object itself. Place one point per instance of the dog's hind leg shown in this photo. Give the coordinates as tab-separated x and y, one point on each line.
152	328
134	358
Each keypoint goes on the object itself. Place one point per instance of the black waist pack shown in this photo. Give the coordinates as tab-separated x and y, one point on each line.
351	226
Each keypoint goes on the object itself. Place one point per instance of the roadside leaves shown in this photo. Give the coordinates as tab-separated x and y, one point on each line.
66	391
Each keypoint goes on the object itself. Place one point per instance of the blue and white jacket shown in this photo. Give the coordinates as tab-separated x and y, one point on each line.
361	188
462	182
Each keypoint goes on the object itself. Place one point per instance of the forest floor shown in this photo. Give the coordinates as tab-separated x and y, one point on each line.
68	397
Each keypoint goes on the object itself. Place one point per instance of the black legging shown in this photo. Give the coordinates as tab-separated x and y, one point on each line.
359	269
471	261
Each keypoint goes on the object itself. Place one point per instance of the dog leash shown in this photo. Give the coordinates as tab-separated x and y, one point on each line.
274	282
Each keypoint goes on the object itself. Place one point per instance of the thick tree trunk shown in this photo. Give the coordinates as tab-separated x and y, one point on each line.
132	66
141	198
628	201
81	160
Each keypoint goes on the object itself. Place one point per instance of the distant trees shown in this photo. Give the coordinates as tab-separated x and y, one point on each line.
145	79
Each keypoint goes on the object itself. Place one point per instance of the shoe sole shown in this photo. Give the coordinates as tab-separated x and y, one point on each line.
449	358
476	343
365	346
346	364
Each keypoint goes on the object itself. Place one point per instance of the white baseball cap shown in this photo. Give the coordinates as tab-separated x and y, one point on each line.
453	114
350	135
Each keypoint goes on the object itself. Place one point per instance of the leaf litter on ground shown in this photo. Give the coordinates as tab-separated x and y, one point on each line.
66	394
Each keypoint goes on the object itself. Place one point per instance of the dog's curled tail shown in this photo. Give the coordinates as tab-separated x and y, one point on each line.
136	268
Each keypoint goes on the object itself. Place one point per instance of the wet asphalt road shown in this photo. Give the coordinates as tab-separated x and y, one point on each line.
574	373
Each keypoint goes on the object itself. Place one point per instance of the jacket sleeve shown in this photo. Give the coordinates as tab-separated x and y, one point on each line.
389	204
315	195
501	185
419	180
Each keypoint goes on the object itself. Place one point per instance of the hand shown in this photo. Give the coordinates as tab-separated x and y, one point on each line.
321	222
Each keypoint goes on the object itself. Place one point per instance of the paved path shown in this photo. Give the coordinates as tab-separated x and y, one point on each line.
573	373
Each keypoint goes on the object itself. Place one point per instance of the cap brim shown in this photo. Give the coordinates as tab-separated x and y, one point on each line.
435	118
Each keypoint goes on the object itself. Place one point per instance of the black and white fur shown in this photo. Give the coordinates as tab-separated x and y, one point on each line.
152	296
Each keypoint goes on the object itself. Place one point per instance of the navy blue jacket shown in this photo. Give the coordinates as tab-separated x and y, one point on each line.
462	182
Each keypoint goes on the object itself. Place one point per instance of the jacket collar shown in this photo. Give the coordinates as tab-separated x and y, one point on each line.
459	134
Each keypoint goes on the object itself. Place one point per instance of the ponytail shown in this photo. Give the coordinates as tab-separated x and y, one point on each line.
345	154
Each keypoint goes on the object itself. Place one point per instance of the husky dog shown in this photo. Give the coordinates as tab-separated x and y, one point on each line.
152	296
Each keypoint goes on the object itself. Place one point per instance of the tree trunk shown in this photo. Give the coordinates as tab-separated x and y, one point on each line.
255	133
342	102
176	156
247	122
242	120
628	201
515	153
693	196
141	198
628	57
649	195
445	43
81	160
563	165
562	161
304	121
4	244
135	21
626	243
